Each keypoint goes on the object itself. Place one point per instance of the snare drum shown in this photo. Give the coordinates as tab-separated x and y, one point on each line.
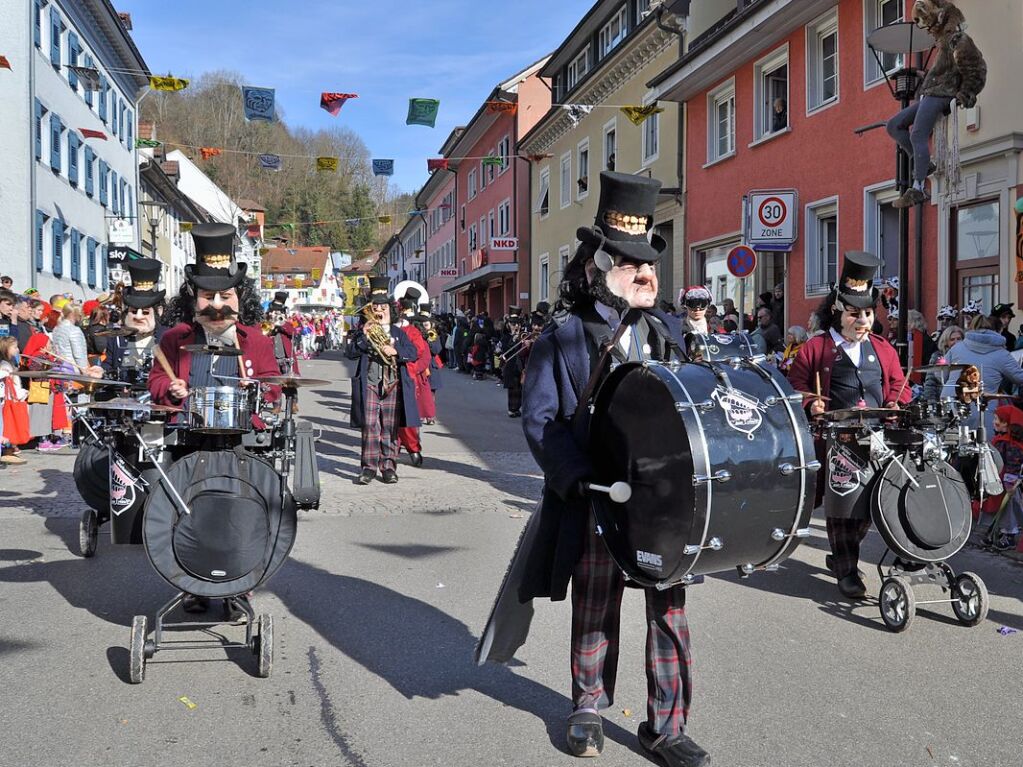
221	410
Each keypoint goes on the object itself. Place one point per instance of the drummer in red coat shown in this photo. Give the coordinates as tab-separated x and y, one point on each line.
217	306
419	369
852	368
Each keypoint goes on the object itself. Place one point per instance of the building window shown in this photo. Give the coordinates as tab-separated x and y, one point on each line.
72	158
975	237
473	240
115	199
822	62
129	129
504	152
73	49
721	122
566	179
642	9
545	276
771	94
492	224
88	91
610	145
543	199
563	253
504	218
103	88
56	28
462	220
57	265
472	184
821	246
881	235
877	14
102	180
651	138
613	32
582	181
578	68
37	18
56	129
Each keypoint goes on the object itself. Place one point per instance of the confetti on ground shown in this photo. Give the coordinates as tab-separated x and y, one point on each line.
1007	630
440	585
188	703
627	711
929	752
516	516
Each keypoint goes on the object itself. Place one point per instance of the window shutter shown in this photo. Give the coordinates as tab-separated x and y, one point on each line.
89	176
58	248
72	157
102	180
72	59
115	204
37	32
103	87
40	224
90	267
55	142
88	93
129	128
76	255
39	130
55	30
103	280
115	114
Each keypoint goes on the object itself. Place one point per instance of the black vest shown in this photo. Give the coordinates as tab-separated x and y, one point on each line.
850	384
202	373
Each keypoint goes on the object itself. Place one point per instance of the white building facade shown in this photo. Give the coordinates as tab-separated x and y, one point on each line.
60	188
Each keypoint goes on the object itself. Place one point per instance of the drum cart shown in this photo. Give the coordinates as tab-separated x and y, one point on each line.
897	601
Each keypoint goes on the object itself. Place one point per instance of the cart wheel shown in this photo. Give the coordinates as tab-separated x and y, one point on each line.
969	599
88	533
139	630
898	604
265	644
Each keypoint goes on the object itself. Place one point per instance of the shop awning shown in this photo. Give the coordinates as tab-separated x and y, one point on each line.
483	274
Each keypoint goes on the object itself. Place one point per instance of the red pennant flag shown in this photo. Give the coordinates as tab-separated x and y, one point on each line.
538	157
4	63
502	107
210	151
89	133
333	102
440	163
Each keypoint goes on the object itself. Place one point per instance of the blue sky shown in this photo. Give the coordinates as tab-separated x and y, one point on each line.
387	51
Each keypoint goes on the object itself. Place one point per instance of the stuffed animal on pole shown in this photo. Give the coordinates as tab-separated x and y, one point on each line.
956	78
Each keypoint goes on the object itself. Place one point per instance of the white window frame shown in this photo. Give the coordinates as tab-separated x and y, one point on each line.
606	42
544	276
577	69
472	184
583	146
816	31
504	218
642	9
473	240
504	152
650	130
564	254
815	213
565	180
763	103
872	16
491	226
724	93
611	126
545	191
873	198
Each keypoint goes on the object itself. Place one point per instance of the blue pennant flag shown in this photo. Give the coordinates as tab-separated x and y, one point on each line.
270	161
259	103
383	167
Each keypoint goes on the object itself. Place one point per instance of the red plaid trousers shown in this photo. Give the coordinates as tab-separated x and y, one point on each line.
379	430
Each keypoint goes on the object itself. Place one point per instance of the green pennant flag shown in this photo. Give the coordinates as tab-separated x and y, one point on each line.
491	160
147	143
422	112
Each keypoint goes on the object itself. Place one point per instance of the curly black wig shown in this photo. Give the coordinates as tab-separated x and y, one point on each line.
181	308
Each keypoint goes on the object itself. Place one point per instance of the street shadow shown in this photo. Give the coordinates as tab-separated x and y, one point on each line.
502	481
332	394
19	555
411	550
382	631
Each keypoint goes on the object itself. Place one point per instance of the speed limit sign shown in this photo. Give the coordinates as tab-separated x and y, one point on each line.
771	217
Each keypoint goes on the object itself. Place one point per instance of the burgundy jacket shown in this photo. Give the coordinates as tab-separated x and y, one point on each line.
257	351
819	355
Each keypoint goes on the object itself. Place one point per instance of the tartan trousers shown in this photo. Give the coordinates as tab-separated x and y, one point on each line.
597	588
379	430
845	537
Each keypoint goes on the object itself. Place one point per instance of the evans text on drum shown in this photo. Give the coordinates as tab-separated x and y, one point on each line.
721	465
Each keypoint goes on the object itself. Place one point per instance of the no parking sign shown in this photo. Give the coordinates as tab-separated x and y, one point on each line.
742	261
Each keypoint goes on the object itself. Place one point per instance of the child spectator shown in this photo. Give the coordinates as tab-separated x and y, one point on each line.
478	353
13	408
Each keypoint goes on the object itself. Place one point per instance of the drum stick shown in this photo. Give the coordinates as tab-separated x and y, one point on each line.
164	363
56	356
818	387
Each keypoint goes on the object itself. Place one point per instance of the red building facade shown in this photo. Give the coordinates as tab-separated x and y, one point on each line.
813	55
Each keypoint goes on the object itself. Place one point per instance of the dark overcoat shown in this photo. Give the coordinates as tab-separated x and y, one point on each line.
556	376
408	412
117	346
436	381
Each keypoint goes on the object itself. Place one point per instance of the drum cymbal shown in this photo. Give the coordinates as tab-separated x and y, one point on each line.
292	382
860	413
126	404
948	367
111	332
223	351
986	396
74	377
815	395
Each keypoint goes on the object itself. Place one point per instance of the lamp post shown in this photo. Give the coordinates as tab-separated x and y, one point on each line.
904	39
154	210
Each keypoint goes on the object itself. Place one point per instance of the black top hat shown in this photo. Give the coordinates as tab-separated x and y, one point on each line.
1001	309
543	307
215	267
281	298
412	294
145	276
855	286
515	312
378	290
625	216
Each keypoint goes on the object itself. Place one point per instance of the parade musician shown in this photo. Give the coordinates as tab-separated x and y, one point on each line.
218	307
855	369
130	358
611	273
281	332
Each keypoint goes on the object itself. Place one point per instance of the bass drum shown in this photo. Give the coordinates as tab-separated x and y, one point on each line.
91	473
239	531
721	464
719	347
921	511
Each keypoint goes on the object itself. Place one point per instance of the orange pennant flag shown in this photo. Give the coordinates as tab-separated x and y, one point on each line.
210	151
5	63
502	107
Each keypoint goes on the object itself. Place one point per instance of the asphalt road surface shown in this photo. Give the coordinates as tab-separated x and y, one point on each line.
378	611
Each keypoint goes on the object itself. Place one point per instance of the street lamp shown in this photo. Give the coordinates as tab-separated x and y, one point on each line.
153	217
903	38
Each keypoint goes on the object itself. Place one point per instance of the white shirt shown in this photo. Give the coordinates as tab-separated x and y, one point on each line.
851	348
611	318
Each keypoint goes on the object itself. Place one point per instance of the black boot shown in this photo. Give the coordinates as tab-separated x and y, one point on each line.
417	458
389	476
677	751
365	477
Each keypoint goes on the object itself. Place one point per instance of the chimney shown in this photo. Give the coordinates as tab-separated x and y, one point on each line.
171	169
147	129
125	20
